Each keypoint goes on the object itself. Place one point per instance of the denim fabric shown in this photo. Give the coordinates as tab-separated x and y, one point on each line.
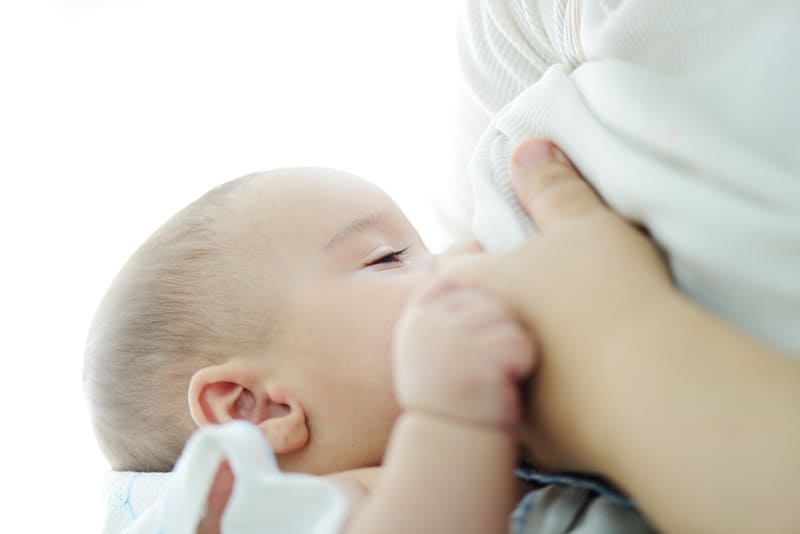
527	472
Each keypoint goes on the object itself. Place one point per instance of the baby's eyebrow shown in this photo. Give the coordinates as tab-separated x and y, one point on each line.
356	226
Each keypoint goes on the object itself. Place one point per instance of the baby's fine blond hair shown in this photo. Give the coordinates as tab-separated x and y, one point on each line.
181	302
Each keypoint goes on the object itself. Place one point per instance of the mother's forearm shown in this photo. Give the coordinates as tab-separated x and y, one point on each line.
699	423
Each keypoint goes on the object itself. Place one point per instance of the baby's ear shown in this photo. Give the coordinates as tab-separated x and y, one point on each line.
236	390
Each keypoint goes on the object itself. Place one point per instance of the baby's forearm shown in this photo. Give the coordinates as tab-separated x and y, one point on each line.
441	475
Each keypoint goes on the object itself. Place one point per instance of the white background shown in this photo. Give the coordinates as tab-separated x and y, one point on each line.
115	114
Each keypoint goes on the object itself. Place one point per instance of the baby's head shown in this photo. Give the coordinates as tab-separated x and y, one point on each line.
273	299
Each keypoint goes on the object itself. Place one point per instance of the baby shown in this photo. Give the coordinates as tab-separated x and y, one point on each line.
274	299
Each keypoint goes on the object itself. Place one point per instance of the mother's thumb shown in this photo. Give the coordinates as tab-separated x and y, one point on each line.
547	185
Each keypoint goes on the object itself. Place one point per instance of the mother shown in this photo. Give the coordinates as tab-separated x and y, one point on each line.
700	423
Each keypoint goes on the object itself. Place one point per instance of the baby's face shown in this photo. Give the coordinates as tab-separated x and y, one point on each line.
345	259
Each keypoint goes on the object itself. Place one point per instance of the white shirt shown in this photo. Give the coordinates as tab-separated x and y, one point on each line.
682	114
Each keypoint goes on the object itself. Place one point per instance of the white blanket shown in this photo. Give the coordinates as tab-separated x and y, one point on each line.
682	114
263	499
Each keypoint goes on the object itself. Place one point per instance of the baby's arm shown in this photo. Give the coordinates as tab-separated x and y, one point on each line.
449	466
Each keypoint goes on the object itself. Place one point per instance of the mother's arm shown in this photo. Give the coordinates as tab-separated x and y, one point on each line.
699	423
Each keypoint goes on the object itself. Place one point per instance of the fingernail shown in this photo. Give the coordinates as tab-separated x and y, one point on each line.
532	152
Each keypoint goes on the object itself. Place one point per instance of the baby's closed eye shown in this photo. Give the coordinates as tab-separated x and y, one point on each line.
394	256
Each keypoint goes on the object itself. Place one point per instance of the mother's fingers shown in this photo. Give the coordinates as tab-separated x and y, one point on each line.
454	253
547	185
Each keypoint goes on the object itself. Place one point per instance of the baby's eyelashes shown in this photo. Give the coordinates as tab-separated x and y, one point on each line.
384	257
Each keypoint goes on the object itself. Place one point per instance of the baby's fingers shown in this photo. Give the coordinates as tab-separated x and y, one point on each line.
218	497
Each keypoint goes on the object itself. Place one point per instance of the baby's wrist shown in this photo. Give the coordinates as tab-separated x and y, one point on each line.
452	420
455	437
485	401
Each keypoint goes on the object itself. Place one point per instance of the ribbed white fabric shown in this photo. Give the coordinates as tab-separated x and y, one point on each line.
681	113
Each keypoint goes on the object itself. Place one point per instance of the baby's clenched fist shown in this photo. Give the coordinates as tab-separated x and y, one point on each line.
459	352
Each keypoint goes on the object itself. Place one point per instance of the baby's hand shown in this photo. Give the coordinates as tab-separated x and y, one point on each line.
459	352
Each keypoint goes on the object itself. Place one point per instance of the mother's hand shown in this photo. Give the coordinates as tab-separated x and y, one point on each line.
697	421
577	284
